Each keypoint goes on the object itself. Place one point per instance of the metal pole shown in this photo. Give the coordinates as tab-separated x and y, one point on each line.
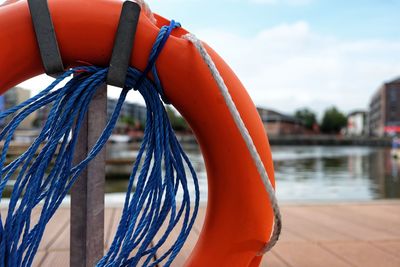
87	194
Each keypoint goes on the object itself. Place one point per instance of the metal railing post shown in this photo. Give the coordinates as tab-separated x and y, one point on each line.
87	194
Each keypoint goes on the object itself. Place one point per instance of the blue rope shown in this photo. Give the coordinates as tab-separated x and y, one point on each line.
45	172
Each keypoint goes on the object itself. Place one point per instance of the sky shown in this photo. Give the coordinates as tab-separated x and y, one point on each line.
291	54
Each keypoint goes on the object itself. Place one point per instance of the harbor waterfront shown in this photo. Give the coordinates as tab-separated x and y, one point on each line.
303	173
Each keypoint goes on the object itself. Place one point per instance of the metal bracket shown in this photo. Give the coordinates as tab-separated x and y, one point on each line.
123	44
46	37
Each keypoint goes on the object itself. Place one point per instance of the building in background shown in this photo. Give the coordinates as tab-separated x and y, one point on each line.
357	123
132	117
276	123
129	110
384	110
12	98
131	114
41	116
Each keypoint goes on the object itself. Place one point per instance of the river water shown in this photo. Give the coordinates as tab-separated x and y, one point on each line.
336	173
304	174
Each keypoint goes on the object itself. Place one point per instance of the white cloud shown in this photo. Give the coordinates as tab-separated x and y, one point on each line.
289	66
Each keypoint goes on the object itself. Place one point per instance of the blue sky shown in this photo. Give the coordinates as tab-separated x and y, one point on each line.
345	19
300	53
297	53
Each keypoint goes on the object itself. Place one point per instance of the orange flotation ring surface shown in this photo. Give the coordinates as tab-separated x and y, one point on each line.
239	217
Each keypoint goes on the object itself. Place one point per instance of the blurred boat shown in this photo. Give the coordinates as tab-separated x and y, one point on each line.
395	148
116	138
396	153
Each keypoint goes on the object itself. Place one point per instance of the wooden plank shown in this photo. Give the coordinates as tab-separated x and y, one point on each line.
392	247
113	221
62	242
142	260
57	259
308	254
108	221
198	224
112	218
189	244
290	231
54	228
313	235
186	249
37	261
362	254
342	225
310	230
394	210
377	211
272	259
34	215
366	219
87	194
290	235
62	239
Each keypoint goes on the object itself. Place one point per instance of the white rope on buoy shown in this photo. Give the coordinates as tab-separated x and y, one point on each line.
147	11
246	137
240	125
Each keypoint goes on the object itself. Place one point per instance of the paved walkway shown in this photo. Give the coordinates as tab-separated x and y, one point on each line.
334	235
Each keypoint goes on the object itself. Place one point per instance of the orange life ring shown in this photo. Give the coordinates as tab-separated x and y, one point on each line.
239	217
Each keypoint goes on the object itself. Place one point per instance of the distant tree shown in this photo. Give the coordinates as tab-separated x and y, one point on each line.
128	120
141	125
333	121
306	116
178	122
132	123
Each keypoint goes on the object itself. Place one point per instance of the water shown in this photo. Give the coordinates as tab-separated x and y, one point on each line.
306	174
336	173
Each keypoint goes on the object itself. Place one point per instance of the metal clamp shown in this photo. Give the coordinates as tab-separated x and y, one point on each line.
46	37
123	44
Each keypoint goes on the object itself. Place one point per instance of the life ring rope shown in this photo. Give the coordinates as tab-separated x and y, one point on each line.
247	139
147	207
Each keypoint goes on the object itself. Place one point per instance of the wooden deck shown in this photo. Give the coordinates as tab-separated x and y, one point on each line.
358	234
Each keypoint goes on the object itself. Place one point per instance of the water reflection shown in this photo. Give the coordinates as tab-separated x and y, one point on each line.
385	174
307	173
336	173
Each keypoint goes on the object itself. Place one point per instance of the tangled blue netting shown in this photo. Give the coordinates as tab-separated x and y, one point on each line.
45	172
